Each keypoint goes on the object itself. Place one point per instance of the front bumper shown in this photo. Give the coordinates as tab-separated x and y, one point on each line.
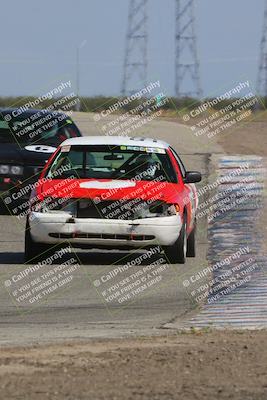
19	187
55	227
6	184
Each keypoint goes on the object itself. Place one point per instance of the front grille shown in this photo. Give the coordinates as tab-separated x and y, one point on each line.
107	236
124	210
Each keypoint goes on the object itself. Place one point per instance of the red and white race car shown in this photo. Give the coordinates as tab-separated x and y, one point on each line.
114	192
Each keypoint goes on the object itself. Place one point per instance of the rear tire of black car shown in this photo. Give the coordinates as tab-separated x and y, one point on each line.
2	207
191	243
176	254
33	251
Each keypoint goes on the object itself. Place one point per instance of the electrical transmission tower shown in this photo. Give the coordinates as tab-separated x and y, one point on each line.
262	77
187	78
135	62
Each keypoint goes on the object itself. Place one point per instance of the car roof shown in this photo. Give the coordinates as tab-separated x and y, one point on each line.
116	141
29	111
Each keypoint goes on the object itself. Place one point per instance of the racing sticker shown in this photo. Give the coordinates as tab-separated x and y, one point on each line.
41	149
146	149
116	184
155	150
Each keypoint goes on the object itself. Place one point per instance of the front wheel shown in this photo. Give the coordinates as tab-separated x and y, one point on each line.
176	254
191	243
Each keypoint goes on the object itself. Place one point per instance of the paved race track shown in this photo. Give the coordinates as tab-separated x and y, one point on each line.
80	310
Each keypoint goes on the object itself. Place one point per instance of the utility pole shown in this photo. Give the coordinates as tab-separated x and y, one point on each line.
262	75
78	49
135	61
78	104
187	77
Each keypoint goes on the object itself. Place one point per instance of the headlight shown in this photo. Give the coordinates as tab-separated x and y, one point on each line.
38	170
4	169
16	170
157	209
164	209
173	209
11	170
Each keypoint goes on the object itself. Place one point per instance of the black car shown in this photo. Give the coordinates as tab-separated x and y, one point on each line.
27	139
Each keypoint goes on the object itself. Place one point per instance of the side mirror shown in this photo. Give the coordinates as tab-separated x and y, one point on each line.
192	177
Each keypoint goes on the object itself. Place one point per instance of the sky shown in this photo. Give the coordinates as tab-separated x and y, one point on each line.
39	41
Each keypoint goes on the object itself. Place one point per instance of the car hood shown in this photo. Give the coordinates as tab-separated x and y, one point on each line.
108	189
26	154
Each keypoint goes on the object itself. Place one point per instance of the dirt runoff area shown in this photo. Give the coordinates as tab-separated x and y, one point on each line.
204	365
247	138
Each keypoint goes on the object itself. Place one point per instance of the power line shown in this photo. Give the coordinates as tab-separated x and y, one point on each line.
262	75
135	61
187	77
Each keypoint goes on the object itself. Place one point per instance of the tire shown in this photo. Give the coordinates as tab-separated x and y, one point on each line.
3	209
191	243
176	254
33	251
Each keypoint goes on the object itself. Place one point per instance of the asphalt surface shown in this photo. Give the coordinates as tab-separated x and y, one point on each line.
80	310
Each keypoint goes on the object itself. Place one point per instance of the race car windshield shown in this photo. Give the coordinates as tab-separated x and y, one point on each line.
112	162
21	132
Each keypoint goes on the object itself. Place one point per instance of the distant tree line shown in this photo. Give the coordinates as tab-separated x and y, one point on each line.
100	103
